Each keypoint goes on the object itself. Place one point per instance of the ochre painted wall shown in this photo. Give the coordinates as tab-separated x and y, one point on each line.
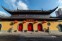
6	25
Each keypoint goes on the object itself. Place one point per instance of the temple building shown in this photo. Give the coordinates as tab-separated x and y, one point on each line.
30	20
59	13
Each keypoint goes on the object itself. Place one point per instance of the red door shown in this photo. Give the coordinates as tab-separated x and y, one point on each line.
40	27
20	27
30	27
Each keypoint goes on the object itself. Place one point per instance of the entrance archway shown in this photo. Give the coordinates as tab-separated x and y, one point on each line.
20	27
30	27
60	27
0	27
40	28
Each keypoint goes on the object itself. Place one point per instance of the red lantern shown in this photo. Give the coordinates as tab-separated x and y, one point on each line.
35	21
24	21
43	22
15	21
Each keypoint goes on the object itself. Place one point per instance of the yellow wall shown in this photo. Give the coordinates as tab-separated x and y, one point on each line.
6	25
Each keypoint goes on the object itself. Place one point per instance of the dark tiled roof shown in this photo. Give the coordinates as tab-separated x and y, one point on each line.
21	19
42	12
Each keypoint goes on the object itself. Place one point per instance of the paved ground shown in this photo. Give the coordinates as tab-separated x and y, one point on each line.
29	37
20	38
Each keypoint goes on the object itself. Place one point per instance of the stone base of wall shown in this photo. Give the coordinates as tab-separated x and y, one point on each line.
55	32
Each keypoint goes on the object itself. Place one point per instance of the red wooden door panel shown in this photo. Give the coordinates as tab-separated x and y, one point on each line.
40	27
20	27
30	27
